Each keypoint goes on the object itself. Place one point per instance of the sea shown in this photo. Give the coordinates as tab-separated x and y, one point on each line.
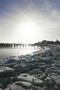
17	51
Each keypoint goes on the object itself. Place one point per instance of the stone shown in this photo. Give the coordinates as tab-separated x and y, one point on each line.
36	88
49	82
48	88
24	84
56	79
25	77
15	87
0	88
43	76
6	71
38	82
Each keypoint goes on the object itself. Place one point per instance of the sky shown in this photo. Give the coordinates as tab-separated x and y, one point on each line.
29	21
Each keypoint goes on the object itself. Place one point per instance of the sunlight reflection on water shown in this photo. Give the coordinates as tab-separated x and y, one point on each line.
7	52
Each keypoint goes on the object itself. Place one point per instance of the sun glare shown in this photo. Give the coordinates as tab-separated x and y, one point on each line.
27	29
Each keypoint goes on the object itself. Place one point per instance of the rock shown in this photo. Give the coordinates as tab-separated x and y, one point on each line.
49	82
43	67
20	85
38	82
36	88
25	77
24	84
31	79
6	72
4	82
36	72
56	88
0	88
43	76
10	61
15	87
56	79
48	88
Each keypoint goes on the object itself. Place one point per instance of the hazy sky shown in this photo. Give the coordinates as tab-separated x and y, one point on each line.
29	21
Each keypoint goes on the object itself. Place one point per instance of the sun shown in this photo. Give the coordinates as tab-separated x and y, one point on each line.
27	31
27	25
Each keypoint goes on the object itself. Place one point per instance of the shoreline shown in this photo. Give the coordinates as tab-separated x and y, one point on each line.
39	71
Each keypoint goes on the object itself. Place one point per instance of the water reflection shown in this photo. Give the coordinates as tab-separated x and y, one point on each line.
7	52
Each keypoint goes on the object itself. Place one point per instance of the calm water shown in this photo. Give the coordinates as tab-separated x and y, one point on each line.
7	52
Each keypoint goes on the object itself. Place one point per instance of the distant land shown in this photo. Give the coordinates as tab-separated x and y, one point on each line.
44	42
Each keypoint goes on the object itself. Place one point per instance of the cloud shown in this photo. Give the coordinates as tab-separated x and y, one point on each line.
44	13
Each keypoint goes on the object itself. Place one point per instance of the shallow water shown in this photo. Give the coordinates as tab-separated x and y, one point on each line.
7	52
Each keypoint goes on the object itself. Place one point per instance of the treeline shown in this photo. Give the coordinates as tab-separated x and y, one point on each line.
45	42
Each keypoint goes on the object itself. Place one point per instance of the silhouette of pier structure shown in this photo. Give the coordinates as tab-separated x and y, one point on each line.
35	45
14	45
